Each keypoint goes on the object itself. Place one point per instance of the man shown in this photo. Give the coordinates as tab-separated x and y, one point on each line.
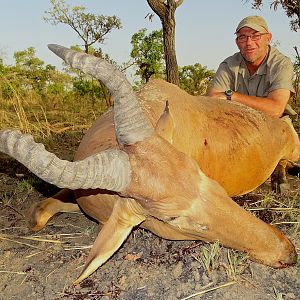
259	75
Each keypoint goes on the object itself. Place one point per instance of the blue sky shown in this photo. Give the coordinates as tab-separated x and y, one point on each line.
204	29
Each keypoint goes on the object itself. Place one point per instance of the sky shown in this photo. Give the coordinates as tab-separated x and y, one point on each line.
204	29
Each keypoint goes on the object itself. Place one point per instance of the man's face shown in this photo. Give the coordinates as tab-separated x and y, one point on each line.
253	45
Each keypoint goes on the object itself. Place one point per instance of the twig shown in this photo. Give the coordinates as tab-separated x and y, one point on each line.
16	227
197	259
60	234
24	279
192	246
78	248
51	273
17	242
275	209
15	210
40	239
13	272
210	290
65	235
285	222
33	254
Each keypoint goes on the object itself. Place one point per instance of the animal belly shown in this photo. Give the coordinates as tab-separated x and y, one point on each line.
238	171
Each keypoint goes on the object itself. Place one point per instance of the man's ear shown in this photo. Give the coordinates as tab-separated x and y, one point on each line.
270	37
236	42
165	125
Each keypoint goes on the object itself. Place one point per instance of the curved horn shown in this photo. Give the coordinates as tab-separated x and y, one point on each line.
109	169
130	122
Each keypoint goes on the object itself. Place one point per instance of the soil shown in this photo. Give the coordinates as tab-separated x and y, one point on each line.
43	265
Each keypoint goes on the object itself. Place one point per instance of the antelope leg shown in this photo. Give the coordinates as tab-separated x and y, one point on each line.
40	213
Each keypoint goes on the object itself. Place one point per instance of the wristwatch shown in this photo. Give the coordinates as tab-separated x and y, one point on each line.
228	94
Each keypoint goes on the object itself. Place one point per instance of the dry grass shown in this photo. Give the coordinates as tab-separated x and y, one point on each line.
48	115
283	211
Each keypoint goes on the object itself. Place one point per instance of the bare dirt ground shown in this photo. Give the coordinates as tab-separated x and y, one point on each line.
43	265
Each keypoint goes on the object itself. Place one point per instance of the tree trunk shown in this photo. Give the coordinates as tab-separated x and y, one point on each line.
169	46
166	12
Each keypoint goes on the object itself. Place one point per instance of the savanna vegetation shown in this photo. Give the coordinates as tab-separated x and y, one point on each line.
58	106
40	99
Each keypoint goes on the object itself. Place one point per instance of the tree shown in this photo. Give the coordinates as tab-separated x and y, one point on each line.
31	70
148	53
165	9
90	28
29	75
291	8
26	59
195	79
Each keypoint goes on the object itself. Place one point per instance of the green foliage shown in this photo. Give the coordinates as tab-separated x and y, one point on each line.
30	76
56	88
148	53
195	78
210	256
165	9
26	59
84	87
84	84
38	98
237	263
291	8
27	185
6	90
92	51
2	68
89	27
29	72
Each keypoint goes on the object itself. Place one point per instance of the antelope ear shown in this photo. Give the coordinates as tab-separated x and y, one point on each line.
165	125
112	235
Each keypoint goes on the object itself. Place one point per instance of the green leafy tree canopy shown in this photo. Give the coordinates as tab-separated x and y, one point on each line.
26	59
29	74
148	53
90	28
195	78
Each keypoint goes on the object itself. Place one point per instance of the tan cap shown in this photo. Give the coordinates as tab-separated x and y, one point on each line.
255	22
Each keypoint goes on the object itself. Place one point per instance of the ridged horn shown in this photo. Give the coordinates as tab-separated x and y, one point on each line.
109	169
131	125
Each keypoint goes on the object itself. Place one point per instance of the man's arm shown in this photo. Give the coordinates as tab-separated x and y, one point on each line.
273	105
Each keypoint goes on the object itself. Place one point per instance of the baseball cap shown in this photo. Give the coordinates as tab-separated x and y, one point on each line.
255	22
